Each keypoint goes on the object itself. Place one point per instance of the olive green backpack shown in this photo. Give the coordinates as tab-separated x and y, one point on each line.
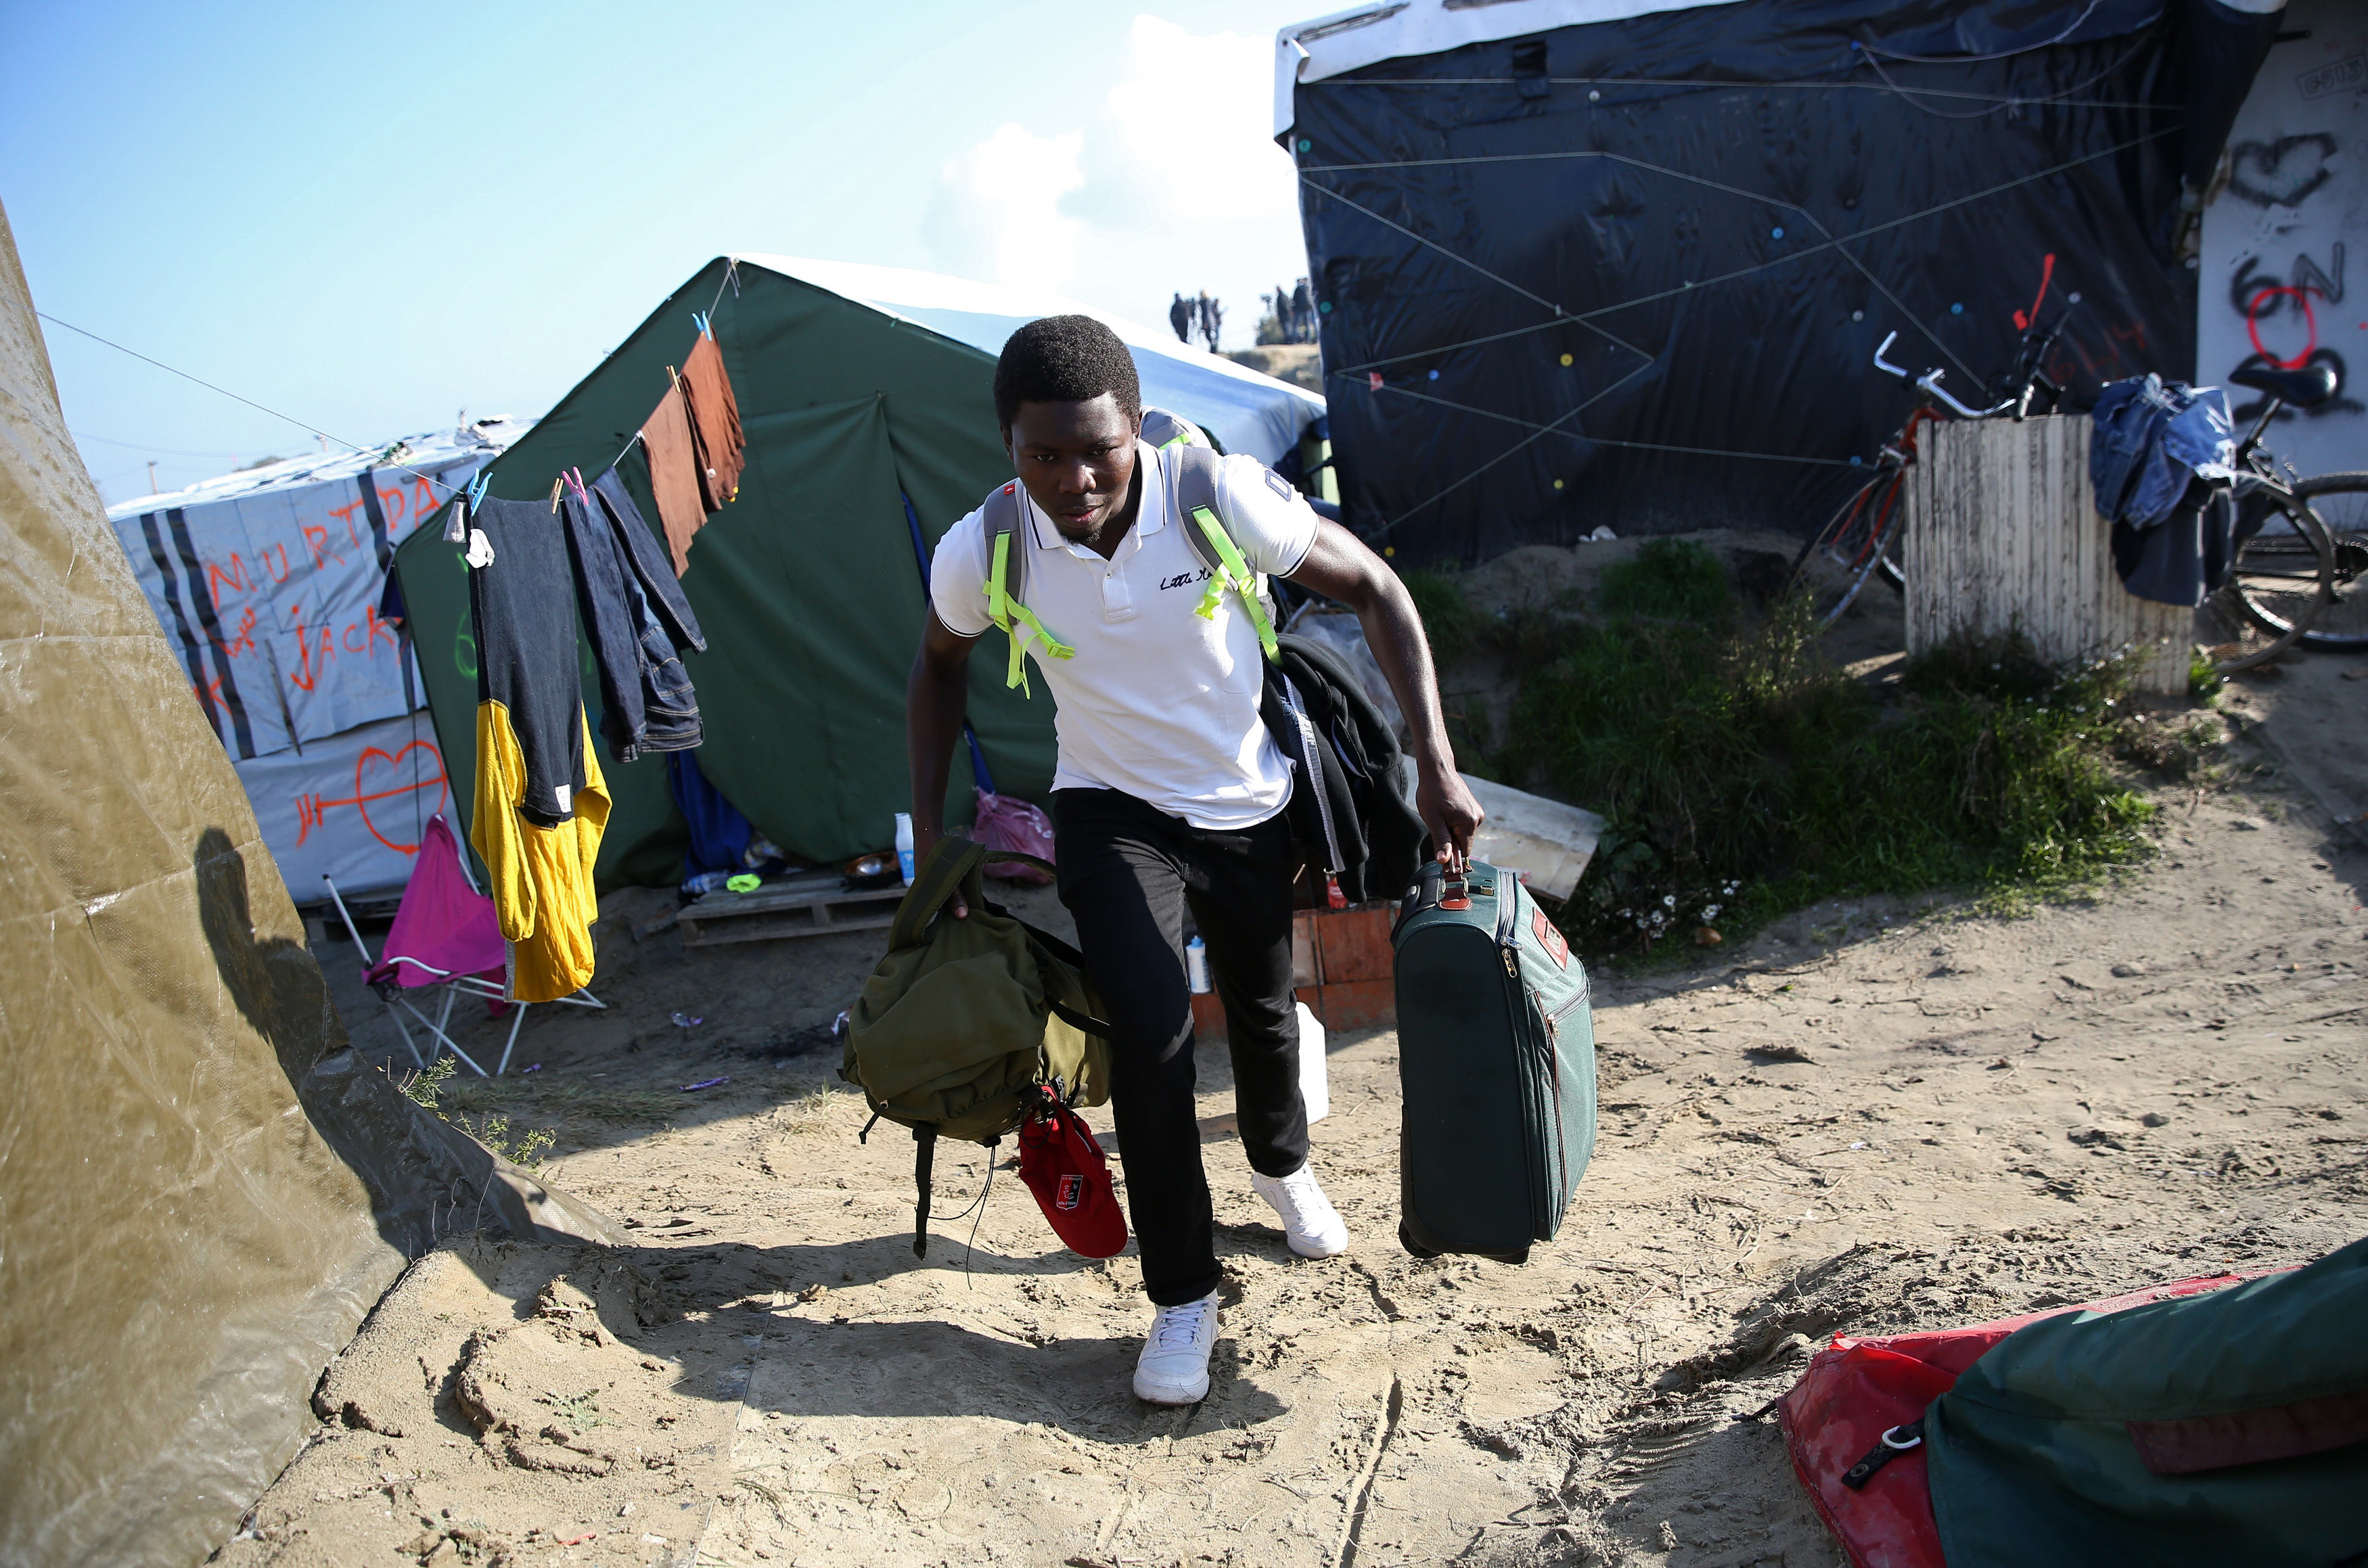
968	1024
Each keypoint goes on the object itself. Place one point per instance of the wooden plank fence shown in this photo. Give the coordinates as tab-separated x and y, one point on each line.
2003	536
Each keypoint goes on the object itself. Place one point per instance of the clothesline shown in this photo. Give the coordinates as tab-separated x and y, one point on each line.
731	279
301	424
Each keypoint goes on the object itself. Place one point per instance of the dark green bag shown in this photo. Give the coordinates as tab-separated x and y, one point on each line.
967	1024
1496	1065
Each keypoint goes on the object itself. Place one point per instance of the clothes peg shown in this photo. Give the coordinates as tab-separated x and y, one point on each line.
672	379
556	486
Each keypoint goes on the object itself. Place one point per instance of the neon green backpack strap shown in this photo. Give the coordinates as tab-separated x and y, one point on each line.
1195	473
1007	586
1166	430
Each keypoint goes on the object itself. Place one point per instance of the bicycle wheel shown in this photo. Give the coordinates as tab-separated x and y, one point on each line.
2341	501
1857	542
2283	577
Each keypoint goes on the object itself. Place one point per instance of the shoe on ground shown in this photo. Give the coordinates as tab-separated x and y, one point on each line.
1310	1223
1174	1366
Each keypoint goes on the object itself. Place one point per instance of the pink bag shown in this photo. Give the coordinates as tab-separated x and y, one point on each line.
1006	824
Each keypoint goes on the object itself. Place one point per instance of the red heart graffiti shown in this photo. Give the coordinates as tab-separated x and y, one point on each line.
402	789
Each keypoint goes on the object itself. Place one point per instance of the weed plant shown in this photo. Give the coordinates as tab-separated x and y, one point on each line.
428	1087
1742	775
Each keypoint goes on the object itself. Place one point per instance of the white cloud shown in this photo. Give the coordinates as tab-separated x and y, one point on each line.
1171	182
996	211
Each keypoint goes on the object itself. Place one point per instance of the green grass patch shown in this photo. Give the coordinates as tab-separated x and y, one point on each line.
1743	775
2203	680
1448	617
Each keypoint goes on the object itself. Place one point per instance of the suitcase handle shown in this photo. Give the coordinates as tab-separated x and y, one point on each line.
1452	892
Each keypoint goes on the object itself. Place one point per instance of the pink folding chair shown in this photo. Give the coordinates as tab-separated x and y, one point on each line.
446	937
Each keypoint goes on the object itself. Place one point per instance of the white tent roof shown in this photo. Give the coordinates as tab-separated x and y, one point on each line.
429	450
1398	30
1247	411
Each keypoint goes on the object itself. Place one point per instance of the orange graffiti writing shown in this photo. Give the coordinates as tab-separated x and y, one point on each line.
345	514
216	579
378	777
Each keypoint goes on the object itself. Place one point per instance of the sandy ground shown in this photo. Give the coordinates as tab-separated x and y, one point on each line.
1870	1117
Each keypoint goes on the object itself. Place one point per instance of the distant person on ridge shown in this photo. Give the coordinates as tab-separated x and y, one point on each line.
1180	316
1168	791
1213	317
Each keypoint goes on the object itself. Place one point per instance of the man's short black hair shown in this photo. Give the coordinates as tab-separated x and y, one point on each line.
1063	359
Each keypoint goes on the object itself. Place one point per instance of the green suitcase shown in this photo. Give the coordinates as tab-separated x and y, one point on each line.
1496	1063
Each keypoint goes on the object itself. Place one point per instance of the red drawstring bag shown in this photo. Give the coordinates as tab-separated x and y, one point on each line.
1070	1176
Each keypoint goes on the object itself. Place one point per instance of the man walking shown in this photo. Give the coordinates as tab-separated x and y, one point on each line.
1168	792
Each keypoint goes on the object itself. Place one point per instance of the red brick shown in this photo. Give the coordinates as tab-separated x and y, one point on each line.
1356	944
1306	959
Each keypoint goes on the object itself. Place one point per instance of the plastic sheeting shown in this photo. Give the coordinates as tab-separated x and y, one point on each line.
202	1190
2285	223
1635	272
267	585
352	807
1247	411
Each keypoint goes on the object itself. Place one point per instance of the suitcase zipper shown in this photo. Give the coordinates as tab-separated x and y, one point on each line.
1554	1019
1555	1160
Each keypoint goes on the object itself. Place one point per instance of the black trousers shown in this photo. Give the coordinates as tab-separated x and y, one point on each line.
1127	872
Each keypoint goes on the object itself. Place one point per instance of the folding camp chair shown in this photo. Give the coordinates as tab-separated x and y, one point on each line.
446	937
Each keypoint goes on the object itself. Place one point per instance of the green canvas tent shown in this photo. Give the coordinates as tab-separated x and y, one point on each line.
859	388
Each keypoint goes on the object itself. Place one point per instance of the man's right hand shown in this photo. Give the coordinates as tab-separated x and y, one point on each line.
934	698
924	840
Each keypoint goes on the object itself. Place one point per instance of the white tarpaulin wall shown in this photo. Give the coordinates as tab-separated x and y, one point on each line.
352	806
267	585
1247	411
2287	221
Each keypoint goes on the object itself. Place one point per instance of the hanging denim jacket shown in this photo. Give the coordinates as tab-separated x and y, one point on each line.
2159	452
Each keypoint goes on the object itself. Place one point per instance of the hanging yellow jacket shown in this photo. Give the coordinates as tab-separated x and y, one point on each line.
541	877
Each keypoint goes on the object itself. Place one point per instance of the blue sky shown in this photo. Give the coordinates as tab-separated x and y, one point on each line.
373	218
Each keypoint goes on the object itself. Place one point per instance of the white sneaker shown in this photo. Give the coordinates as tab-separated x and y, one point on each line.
1174	1366
1310	1223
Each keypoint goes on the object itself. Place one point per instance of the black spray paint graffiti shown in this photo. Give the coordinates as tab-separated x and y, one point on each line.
2260	298
2281	173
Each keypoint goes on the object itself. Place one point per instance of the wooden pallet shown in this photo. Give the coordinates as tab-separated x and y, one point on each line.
802	907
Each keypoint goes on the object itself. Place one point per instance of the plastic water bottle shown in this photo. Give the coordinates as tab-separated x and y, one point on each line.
905	846
707	882
1196	964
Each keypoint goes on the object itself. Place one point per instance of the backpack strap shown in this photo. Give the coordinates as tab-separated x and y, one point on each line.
1006	585
1163	430
1193	470
953	866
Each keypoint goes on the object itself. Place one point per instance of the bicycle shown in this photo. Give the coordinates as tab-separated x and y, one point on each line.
2290	577
2301	545
1862	536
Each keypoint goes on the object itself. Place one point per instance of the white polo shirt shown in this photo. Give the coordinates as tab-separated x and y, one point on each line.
1157	702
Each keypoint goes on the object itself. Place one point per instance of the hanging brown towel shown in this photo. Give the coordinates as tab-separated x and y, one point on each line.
714	424
674	475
